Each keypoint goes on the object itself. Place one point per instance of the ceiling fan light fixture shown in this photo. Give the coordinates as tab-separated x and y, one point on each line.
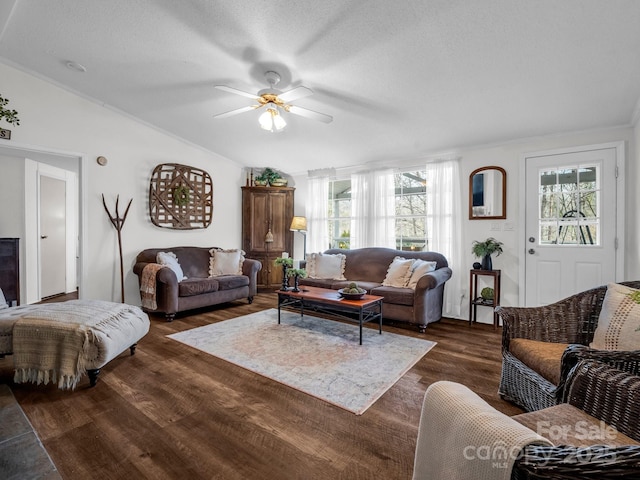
271	120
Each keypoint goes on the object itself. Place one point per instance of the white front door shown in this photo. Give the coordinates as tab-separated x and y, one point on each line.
570	223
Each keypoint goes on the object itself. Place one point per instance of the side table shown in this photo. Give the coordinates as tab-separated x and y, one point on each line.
475	299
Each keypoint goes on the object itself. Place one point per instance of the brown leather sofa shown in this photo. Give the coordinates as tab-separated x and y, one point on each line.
368	268
198	289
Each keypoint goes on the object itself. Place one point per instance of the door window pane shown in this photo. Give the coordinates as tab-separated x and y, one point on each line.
569	205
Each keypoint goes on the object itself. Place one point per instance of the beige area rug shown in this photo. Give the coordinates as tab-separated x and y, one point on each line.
316	356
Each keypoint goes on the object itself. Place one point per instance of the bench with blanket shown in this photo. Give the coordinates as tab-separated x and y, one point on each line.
60	342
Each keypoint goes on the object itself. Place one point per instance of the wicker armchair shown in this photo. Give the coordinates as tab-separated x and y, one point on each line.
571	322
611	396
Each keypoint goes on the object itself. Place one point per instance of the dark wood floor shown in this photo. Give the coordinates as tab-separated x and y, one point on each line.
172	412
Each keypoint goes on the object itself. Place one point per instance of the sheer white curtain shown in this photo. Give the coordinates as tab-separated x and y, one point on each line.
373	209
444	226
318	214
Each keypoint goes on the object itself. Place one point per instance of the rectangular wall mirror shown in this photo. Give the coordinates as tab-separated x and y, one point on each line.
488	193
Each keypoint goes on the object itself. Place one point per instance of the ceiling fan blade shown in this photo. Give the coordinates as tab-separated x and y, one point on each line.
305	112
236	111
295	94
236	91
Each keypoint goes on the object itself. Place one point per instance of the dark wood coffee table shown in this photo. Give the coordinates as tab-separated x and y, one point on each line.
368	308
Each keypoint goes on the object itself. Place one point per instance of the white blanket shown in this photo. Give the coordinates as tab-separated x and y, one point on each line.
462	437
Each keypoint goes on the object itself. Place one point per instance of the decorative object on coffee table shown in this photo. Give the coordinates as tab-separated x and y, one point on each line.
286	263
118	223
296	273
180	197
352	292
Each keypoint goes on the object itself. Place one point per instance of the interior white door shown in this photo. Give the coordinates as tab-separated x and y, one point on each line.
52	236
570	223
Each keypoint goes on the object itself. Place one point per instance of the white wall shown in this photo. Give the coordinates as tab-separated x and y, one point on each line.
53	118
11	195
509	157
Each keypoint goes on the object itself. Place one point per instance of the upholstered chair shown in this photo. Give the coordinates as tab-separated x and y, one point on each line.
593	434
540	346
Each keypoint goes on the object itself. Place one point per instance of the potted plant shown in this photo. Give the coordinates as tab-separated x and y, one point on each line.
296	273
485	249
269	176
10	116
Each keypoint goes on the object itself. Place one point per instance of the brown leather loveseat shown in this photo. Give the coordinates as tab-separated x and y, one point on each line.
198	289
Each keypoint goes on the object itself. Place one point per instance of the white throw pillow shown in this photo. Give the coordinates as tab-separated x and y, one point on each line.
619	321
225	262
170	260
418	269
327	266
398	273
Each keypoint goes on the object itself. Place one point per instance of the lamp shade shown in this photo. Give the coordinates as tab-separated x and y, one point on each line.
271	119
298	224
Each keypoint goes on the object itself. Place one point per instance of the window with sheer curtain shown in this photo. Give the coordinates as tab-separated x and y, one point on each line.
412	210
378	209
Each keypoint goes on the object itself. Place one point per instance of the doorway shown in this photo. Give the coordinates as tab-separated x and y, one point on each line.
26	228
572	239
51	230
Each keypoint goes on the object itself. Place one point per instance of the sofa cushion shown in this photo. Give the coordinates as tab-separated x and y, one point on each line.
170	260
619	321
398	273
197	286
395	295
418	269
320	265
229	282
565	424
225	262
368	286
337	284
317	282
541	357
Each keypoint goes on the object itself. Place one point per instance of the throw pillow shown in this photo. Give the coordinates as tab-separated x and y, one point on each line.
170	260
619	321
225	262
320	265
418	269
398	273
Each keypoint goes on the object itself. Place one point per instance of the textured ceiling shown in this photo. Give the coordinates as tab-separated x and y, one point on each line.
402	80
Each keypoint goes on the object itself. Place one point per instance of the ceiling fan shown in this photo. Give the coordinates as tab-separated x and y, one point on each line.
274	101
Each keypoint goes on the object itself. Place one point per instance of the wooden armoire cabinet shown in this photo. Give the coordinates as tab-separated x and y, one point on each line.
267	209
